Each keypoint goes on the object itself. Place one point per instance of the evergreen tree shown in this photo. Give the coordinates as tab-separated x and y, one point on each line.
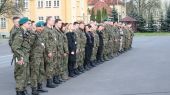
114	15
98	16
163	26
104	14
92	17
168	19
151	26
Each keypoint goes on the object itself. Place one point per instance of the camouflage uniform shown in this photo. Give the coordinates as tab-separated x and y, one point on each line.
21	47
37	60
96	45
50	40
62	67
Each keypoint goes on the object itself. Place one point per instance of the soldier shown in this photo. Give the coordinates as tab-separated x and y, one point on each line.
21	48
101	44
82	42
50	51
78	48
89	47
13	30
61	62
71	36
96	44
37	60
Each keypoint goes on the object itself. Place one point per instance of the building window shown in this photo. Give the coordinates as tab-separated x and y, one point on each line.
48	4
3	23
56	3
16	3
40	3
56	17
41	18
1	2
26	4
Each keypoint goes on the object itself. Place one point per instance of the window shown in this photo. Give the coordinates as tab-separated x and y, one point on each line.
56	3
26	4
1	2
17	3
3	23
40	3
41	18
56	17
48	4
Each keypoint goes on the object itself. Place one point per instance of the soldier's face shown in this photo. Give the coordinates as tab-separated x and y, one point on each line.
16	22
39	29
59	24
51	21
27	25
81	26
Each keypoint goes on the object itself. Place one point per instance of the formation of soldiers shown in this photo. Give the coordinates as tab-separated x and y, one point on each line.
52	52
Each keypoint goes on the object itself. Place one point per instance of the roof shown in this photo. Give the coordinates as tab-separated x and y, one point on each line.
128	19
109	2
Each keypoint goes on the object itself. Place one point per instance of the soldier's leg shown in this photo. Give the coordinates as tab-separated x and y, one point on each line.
65	68
35	65
49	72
20	76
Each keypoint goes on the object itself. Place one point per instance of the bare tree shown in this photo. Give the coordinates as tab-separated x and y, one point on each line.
9	8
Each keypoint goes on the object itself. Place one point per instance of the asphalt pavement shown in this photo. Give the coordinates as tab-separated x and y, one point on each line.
144	70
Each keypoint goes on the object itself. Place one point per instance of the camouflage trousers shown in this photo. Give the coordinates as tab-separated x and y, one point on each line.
80	58
61	67
49	67
20	74
37	70
94	54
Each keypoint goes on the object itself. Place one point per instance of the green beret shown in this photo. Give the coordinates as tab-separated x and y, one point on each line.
23	20
40	24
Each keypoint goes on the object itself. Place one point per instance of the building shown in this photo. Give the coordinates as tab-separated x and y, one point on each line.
119	5
67	10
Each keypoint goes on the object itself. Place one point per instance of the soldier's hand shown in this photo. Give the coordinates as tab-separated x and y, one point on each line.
21	62
50	55
65	54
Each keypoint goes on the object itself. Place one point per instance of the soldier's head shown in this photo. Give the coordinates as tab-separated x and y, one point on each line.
100	27
88	28
16	21
81	25
25	23
69	27
76	25
40	26
63	27
50	21
58	23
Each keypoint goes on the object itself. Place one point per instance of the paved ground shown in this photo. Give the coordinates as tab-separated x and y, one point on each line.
145	70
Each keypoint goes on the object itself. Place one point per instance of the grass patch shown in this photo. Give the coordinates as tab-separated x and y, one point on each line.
153	34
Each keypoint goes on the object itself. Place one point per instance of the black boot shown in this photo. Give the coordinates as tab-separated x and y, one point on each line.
81	69
34	91
71	73
76	72
40	88
25	92
20	93
86	67
56	80
92	64
60	79
50	84
89	65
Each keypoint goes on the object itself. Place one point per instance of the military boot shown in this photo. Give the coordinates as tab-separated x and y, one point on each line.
76	72
56	80
40	88
34	91
71	73
20	93
50	84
